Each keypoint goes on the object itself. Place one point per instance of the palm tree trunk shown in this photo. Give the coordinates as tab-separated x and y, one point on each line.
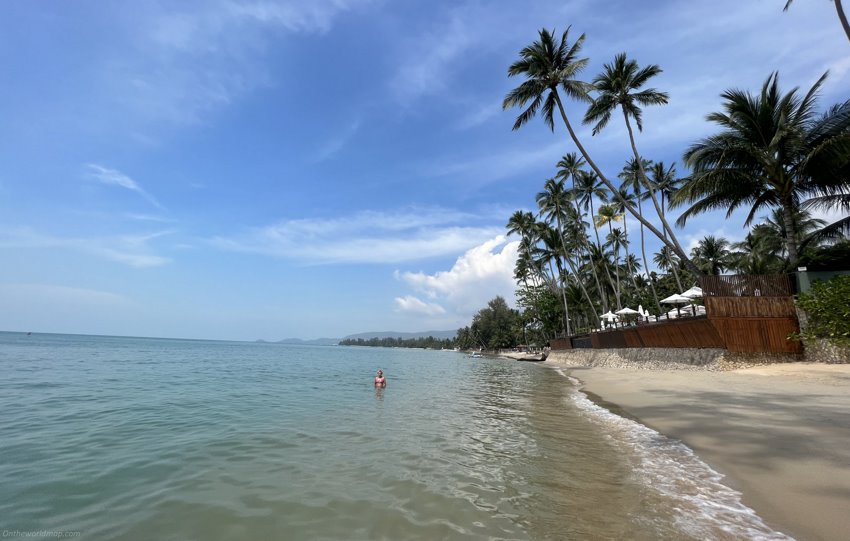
562	281
573	270
842	17
666	226
585	242
646	261
678	249
599	246
790	230
616	267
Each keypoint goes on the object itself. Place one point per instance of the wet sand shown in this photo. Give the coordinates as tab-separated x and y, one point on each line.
780	433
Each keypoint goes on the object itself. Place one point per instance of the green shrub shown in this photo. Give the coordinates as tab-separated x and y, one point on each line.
827	308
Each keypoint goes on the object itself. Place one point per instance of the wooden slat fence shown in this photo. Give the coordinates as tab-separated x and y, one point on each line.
695	332
742	285
762	307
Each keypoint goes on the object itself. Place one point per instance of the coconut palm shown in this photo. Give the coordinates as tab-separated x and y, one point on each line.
618	86
550	66
617	239
773	151
712	254
554	203
630	175
666	260
663	180
607	216
841	15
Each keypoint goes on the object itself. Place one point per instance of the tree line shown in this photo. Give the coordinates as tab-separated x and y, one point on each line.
774	154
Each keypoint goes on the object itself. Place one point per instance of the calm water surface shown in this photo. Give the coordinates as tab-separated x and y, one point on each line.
130	438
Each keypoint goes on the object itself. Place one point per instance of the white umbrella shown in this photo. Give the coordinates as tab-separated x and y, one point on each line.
626	311
693	293
609	315
676	299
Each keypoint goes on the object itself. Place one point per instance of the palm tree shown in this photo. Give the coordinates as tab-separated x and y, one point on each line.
550	64
712	254
586	186
841	15
664	182
625	195
554	203
630	175
665	260
618	86
607	215
774	151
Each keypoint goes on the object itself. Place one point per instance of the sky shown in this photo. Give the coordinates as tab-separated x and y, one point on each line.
260	169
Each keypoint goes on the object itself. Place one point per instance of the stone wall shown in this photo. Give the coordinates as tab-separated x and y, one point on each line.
666	358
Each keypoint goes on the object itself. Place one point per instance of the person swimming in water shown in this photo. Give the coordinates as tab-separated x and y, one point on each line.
380	380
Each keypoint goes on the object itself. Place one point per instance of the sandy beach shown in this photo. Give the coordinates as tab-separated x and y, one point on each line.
780	433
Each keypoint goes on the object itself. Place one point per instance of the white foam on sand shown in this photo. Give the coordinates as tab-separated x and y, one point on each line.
702	507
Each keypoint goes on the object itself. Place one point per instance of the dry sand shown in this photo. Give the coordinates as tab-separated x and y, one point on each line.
780	433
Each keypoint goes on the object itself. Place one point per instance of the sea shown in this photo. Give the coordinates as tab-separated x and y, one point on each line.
144	438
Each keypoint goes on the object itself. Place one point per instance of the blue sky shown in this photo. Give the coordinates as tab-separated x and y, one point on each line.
243	169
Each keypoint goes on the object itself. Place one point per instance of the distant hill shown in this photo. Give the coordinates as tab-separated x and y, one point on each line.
403	335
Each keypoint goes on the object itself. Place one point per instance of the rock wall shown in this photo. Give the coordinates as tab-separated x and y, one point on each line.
666	358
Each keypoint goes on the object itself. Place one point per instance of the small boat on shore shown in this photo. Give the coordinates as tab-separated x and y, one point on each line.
475	355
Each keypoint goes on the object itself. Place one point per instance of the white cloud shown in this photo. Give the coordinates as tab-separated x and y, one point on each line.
365	237
132	250
477	276
414	305
114	177
22	294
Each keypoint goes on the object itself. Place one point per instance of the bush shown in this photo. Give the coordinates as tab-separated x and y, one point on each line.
828	310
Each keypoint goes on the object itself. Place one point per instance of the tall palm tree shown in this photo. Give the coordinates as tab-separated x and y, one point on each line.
630	175
619	87
570	167
773	151
617	239
625	195
586	187
663	180
554	203
841	15
712	254
607	216
550	64
665	260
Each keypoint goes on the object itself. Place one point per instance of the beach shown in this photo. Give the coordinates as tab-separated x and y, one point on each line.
780	433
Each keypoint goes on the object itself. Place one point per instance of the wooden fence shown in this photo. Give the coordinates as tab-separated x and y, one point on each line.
696	332
762	307
741	285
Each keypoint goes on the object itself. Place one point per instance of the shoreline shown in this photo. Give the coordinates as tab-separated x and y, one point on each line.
779	433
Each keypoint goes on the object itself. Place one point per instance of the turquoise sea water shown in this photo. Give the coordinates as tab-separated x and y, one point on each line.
138	438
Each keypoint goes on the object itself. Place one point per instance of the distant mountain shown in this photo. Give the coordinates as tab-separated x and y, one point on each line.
403	335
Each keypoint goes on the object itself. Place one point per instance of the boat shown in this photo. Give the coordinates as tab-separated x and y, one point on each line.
475	355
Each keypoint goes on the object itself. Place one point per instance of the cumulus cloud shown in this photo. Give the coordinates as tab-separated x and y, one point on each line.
413	305
365	237
477	276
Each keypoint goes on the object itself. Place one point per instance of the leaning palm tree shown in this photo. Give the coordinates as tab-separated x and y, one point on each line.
773	151
665	260
841	15
550	66
619	86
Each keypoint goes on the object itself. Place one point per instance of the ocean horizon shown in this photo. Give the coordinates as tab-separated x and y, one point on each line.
166	438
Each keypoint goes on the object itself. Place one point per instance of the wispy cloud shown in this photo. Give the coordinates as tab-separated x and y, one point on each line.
114	177
336	143
132	250
366	237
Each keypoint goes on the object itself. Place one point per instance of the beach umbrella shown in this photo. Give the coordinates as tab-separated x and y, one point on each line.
693	293
676	299
627	311
609	316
